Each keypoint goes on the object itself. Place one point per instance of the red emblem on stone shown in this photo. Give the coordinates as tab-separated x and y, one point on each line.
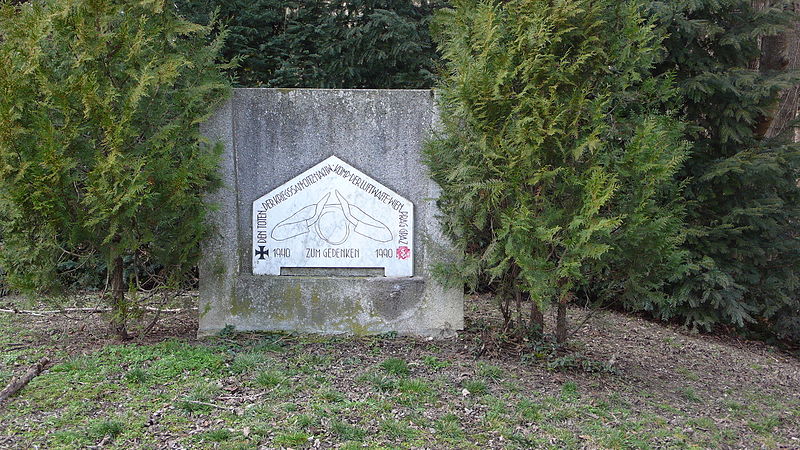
403	252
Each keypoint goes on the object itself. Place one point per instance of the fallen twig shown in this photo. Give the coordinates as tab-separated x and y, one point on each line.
87	310
236	411
11	347
176	310
106	440
19	383
54	311
213	405
16	311
246	397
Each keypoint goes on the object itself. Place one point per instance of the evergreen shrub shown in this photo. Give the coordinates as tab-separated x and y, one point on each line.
100	155
556	163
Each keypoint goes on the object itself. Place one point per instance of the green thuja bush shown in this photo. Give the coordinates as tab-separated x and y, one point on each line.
100	155
555	161
325	43
742	182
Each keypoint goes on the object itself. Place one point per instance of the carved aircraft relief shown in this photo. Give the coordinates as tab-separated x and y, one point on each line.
332	222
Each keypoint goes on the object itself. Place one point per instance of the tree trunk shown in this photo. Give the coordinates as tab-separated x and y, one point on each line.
520	322
119	309
773	59
561	319
790	98
779	53
537	318
504	303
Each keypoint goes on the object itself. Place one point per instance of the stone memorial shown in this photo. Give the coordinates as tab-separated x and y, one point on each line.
327	221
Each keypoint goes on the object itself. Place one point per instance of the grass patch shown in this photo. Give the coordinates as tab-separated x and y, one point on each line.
202	393
169	360
292	438
347	431
529	410
380	383
525	440
136	376
270	378
245	362
220	435
331	396
414	386
475	387
704	423
5	376
271	343
688	374
304	421
435	363
489	371
765	425
309	363
396	429
569	390
577	362
395	366
69	437
102	428
688	393
449	426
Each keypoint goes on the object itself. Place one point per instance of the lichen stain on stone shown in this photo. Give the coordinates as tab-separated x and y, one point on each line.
358	327
289	306
241	305
317	314
206	310
345	317
218	266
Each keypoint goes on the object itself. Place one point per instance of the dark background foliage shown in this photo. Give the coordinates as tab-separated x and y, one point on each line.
742	175
325	44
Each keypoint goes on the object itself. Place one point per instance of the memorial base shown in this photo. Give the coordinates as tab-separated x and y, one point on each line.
336	305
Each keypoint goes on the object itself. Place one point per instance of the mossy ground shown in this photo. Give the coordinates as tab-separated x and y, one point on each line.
627	383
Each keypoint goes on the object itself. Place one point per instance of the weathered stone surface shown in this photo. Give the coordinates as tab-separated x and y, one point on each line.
273	135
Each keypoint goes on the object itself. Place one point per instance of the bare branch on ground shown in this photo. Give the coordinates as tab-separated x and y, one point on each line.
19	383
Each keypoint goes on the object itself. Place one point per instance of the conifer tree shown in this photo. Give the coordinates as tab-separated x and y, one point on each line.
99	141
744	200
555	163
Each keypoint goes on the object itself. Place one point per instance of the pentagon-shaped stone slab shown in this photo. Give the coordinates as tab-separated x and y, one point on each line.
333	216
